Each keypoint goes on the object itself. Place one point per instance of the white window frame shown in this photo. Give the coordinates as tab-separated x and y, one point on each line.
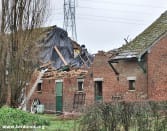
80	80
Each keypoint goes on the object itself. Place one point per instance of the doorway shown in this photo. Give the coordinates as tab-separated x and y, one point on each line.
59	97
98	91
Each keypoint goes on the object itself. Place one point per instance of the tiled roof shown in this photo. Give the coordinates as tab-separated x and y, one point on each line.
147	37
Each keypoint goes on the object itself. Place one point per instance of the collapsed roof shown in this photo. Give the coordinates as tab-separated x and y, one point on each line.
55	74
58	38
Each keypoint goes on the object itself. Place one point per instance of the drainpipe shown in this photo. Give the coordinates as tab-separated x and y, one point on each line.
147	79
139	62
144	70
141	66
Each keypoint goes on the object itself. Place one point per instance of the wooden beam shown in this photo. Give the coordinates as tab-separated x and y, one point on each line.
60	55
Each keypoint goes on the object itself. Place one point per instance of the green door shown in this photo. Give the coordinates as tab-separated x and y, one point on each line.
59	96
98	91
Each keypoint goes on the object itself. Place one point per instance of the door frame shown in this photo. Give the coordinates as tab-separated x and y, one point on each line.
96	97
60	97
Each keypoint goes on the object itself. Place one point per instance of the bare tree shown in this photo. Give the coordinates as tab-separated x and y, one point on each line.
20	30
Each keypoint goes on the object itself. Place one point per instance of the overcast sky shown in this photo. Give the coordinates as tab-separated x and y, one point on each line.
103	24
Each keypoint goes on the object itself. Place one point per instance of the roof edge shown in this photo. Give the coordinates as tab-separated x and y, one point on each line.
154	42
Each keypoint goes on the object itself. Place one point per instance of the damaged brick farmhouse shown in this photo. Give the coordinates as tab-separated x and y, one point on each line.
135	72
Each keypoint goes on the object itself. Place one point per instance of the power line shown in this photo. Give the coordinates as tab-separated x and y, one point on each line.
125	4
105	17
93	19
107	9
108	17
56	13
57	9
70	15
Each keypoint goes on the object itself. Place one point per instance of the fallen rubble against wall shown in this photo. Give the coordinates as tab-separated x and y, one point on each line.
63	72
55	74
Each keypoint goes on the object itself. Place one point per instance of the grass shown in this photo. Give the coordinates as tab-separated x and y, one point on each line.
59	124
15	119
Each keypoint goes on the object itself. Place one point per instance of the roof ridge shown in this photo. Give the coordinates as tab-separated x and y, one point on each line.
148	36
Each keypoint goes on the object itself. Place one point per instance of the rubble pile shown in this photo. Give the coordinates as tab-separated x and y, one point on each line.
52	73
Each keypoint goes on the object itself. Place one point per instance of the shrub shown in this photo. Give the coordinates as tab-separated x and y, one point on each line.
136	116
13	117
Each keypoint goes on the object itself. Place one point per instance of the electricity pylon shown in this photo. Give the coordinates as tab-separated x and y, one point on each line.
69	18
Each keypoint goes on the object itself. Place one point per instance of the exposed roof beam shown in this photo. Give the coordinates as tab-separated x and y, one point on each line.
60	55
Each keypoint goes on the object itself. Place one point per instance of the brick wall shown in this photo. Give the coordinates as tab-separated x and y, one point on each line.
100	69
46	96
114	86
150	85
157	70
131	68
69	88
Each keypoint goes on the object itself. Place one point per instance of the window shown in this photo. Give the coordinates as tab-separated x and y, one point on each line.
131	84
98	91
39	87
98	86
80	84
132	80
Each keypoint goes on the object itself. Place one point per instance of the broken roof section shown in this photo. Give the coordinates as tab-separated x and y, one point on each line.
57	38
142	42
52	73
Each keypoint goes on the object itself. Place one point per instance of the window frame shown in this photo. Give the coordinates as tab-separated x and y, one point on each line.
39	86
82	85
132	85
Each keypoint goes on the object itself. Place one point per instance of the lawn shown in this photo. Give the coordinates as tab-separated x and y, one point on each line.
15	119
59	124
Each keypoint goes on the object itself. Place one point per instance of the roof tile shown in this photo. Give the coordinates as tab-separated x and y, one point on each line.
148	36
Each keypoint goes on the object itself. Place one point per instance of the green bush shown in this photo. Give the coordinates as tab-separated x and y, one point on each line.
13	117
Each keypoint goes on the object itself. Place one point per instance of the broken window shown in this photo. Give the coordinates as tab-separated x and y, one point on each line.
39	87
80	84
131	84
98	90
